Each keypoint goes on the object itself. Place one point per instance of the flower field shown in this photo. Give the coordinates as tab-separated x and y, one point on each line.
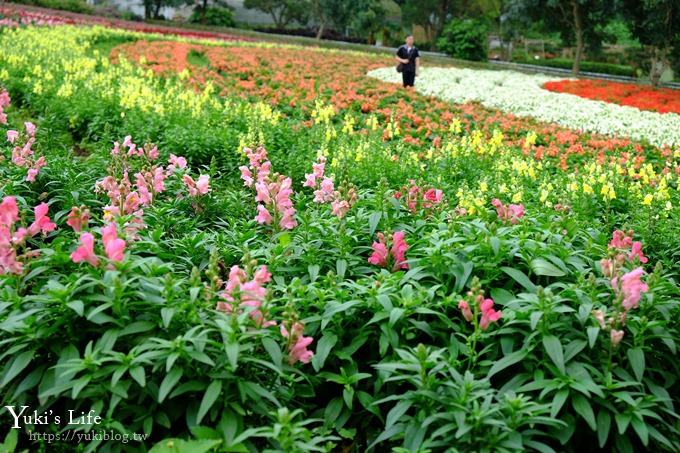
524	95
663	100
237	246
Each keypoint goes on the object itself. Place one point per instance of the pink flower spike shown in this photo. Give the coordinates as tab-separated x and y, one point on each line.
42	222
262	275
465	309
86	250
616	336
489	315
246	176
9	211
636	252
12	136
78	218
399	247
203	184
379	255
30	128
263	216
113	246
632	288
310	180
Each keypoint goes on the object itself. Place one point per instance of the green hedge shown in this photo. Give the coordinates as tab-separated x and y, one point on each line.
76	6
587	66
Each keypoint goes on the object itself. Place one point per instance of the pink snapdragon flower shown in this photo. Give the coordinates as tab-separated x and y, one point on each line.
13	237
489	315
297	344
510	213
475	304
416	197
250	294
12	136
4	102
464	308
397	251
325	191
113	245
9	211
85	252
380	254
42	223
632	288
199	187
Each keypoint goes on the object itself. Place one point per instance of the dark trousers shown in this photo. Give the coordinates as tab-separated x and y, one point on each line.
409	78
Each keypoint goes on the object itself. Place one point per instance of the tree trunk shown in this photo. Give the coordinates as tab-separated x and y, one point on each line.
157	11
659	59
578	31
319	32
204	10
147	9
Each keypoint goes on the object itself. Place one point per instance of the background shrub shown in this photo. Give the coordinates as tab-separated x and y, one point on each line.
464	39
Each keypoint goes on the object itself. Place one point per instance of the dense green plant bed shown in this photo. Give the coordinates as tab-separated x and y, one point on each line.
587	66
307	295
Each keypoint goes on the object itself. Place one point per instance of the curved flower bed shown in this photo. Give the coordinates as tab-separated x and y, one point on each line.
523	95
662	100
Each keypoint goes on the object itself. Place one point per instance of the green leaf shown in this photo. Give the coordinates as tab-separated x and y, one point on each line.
17	366
185	446
553	347
558	401
507	361
520	277
166	316
641	429
138	375
373	221
209	397
545	268
324	347
604	422
78	385
232	349
11	441
169	383
637	362
592	336
583	408
341	267
397	412
313	270
274	350
77	306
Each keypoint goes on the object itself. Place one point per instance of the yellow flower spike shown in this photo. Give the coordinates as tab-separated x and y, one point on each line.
648	199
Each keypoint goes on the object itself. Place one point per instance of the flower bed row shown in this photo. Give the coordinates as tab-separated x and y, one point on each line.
662	100
17	14
523	95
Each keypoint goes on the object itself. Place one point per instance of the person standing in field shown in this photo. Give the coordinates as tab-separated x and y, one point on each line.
409	57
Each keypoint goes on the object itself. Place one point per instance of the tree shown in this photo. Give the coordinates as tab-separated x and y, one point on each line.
575	20
370	19
432	15
656	24
283	12
339	14
152	8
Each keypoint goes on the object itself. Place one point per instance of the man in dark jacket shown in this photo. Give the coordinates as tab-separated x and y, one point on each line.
409	57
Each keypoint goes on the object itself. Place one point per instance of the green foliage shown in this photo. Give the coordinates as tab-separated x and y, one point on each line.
216	16
75	6
588	66
283	12
464	39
